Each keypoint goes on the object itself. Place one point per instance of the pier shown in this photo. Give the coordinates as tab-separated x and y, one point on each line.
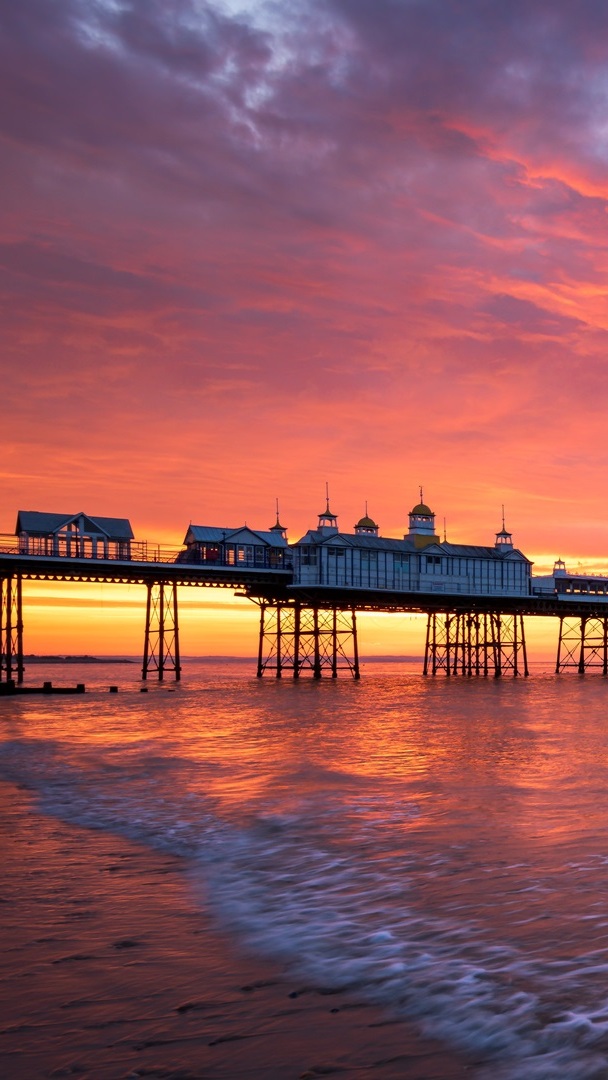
475	597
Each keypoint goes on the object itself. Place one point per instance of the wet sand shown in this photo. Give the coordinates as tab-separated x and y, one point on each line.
109	970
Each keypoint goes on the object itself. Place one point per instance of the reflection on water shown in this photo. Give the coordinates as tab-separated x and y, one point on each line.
438	845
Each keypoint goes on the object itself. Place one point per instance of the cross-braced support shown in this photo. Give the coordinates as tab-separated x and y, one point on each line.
161	641
11	629
470	643
583	644
295	639
509	645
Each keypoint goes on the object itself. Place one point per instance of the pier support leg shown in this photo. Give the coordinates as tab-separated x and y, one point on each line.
11	629
278	624
448	644
582	644
300	639
473	643
509	637
161	638
439	644
355	666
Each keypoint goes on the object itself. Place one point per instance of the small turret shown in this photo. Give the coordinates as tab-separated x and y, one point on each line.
422	525
328	522
504	539
277	527
366	526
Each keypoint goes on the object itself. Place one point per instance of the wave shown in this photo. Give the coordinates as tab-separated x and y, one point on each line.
317	887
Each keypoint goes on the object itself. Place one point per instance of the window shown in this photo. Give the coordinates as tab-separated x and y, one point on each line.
433	564
308	556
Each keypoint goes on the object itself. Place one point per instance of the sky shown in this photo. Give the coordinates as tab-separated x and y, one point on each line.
252	248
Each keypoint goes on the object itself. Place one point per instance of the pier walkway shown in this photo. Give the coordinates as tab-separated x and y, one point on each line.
475	599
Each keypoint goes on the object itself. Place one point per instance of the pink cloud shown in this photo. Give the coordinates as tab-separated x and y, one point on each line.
361	242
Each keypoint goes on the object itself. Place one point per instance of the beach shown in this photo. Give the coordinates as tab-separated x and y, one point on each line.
238	878
110	970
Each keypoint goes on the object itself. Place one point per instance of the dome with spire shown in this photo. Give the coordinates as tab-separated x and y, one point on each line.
367	525
423	509
422	524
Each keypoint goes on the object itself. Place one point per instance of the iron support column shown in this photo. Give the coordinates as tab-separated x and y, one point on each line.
11	629
296	638
356	672
317	645
296	641
260	670
161	637
467	643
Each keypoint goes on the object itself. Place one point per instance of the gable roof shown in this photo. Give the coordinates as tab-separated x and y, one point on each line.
357	540
212	534
477	551
38	523
408	546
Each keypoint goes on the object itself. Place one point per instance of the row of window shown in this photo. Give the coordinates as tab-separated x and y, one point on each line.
236	555
75	546
448	566
593	588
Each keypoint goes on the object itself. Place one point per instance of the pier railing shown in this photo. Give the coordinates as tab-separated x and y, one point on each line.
132	551
140	551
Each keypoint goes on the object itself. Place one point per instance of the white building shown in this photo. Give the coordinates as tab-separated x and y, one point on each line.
577	586
420	562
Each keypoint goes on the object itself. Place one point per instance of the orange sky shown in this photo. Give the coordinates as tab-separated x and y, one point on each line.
247	251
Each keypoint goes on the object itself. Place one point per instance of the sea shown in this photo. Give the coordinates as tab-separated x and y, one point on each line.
434	846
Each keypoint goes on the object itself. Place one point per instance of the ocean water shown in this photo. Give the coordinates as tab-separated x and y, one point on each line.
438	847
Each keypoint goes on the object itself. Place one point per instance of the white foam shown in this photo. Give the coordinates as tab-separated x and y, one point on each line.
320	893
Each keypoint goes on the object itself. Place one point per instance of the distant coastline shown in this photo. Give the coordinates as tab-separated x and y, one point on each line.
33	658
40	658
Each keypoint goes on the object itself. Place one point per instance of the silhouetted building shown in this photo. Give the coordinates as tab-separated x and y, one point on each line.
236	547
75	535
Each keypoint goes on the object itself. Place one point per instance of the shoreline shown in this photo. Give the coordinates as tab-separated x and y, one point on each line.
110	970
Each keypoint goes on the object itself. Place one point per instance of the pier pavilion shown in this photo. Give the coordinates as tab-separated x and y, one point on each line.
475	597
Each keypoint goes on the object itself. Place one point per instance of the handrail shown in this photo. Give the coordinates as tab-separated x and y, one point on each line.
128	551
120	551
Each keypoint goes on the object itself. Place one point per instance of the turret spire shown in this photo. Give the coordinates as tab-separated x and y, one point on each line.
277	527
422	524
504	539
328	522
367	525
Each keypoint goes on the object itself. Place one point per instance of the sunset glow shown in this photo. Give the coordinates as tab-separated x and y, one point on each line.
248	249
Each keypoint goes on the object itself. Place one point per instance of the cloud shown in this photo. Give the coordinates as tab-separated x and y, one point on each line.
250	247
527	317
